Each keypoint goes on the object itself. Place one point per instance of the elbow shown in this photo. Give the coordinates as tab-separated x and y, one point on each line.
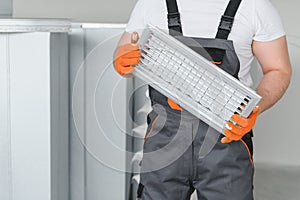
287	75
281	74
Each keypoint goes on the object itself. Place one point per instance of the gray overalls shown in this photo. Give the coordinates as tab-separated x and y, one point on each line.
171	168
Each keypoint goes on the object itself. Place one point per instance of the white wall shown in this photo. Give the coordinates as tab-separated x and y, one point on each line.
79	10
5	7
97	136
34	116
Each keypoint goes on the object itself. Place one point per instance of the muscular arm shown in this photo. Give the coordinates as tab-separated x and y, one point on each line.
274	60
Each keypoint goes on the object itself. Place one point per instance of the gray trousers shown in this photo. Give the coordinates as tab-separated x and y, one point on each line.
171	168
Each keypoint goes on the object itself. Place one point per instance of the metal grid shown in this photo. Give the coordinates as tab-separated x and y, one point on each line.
196	84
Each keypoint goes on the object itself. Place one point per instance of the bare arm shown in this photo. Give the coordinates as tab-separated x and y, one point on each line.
275	63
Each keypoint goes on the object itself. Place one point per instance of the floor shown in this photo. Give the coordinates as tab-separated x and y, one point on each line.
275	182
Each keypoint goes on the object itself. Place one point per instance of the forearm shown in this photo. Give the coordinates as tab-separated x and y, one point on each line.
272	87
275	63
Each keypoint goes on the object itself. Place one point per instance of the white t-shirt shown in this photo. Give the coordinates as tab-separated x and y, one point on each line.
255	20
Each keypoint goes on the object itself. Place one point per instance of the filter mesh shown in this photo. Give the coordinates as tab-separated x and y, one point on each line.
191	80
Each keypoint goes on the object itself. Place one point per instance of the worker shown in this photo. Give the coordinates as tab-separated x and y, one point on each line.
233	32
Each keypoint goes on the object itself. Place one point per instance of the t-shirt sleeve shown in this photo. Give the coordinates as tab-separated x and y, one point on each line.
137	18
267	22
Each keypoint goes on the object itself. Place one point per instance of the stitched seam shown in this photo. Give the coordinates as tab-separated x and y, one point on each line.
250	157
152	125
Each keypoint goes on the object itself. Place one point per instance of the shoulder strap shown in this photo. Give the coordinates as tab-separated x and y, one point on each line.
227	19
174	22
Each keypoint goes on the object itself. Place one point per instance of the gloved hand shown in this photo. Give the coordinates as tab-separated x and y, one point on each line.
127	55
243	126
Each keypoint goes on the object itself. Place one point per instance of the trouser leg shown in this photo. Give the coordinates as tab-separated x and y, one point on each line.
166	165
226	173
171	167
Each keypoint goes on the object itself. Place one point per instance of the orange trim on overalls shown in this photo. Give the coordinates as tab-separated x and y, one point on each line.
216	63
250	157
152	125
173	105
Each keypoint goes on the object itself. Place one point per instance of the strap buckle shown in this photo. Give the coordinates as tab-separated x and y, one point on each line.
174	20
226	23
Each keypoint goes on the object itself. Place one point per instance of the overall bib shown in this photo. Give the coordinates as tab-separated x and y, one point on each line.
171	168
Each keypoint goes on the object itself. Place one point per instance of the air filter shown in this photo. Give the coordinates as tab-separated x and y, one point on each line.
192	81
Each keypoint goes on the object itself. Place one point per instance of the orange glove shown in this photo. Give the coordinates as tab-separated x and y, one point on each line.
243	126
127	55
